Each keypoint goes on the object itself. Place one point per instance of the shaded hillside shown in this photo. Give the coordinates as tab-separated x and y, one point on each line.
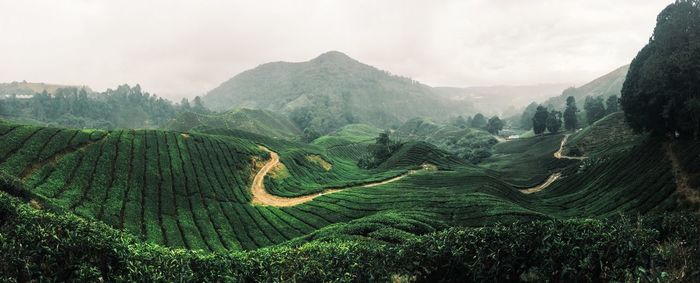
333	90
607	85
260	122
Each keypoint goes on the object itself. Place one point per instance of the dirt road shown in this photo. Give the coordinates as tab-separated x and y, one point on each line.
262	197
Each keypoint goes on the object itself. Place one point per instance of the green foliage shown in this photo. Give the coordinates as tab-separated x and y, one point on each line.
469	144
380	151
479	121
595	109
662	80
309	135
570	118
528	114
553	121
43	246
125	107
494	125
612	104
539	120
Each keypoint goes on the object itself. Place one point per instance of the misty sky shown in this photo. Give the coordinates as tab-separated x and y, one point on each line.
185	48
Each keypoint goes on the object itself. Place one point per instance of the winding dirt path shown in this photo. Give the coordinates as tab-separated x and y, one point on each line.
262	197
544	185
552	178
559	155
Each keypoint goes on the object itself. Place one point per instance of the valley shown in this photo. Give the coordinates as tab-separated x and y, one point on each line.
327	169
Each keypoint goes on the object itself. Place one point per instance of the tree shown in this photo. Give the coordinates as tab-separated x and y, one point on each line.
662	80
199	106
185	105
595	109
479	121
310	135
539	120
460	122
612	104
570	119
526	117
494	125
554	121
379	151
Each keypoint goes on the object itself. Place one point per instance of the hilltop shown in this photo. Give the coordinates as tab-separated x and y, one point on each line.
333	90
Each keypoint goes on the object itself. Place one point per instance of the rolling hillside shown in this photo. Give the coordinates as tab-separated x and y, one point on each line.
260	122
192	191
337	90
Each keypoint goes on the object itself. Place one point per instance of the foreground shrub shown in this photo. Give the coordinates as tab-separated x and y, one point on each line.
44	246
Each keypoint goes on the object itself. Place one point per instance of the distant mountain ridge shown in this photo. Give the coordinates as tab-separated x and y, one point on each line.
606	85
499	98
333	90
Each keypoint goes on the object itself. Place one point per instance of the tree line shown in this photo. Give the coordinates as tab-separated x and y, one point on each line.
540	118
123	107
493	125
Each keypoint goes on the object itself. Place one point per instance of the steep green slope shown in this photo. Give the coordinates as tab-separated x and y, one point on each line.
333	90
605	136
261	122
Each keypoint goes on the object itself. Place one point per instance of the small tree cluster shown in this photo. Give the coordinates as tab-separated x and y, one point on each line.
379	151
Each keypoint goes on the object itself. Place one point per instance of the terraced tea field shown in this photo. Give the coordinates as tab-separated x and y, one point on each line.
194	190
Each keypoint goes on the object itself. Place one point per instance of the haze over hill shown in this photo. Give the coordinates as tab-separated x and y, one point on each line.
502	99
355	92
346	90
606	85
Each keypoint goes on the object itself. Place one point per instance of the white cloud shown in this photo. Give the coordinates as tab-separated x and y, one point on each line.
185	48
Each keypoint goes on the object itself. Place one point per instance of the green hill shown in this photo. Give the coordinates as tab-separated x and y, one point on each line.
468	144
261	122
607	85
333	90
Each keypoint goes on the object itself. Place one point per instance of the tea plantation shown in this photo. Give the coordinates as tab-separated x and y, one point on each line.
168	206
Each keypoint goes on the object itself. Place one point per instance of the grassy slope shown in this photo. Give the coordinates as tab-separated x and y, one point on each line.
255	121
607	135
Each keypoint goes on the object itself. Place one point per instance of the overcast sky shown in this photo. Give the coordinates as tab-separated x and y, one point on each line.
185	48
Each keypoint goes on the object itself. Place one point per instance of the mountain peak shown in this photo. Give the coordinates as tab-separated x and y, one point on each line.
333	56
